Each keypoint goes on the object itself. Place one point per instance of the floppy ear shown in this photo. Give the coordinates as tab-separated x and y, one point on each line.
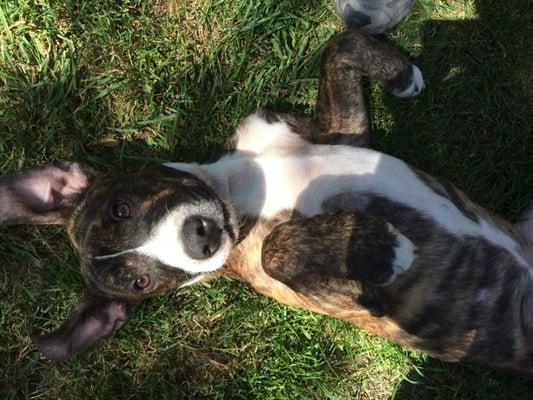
41	195
89	322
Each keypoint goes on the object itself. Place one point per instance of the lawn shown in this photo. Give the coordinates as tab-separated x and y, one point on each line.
124	84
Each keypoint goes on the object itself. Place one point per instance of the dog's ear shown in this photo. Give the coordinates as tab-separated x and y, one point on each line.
90	321
42	195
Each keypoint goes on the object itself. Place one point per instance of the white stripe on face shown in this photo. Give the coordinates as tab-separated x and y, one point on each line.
166	246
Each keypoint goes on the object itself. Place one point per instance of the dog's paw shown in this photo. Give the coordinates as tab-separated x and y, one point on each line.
404	256
412	86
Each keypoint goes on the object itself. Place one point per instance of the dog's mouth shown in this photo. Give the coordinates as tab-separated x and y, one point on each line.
231	223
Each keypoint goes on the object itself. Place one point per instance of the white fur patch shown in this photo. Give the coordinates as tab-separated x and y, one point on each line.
266	179
165	245
256	135
416	86
404	255
404	252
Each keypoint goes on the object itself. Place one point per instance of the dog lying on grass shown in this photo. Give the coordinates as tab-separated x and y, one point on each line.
307	214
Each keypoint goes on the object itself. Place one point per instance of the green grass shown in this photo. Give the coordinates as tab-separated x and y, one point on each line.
122	84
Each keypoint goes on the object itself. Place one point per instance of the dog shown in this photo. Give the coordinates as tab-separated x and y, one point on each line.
306	213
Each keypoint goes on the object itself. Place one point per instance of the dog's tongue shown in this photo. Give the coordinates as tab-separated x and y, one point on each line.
89	322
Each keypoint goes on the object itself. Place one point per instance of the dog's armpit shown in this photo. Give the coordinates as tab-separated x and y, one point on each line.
343	246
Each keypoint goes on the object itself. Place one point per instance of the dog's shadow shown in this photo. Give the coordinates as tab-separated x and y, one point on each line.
439	380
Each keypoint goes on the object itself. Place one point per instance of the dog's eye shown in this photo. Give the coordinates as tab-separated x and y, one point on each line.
141	283
120	210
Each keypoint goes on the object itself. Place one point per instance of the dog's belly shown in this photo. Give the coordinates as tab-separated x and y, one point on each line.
324	178
445	305
342	301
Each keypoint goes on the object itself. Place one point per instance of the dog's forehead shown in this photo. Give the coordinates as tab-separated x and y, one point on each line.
150	193
149	183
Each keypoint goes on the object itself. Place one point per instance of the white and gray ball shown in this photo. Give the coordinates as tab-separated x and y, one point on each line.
372	16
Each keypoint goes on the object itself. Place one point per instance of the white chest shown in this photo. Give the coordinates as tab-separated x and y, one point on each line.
265	184
273	169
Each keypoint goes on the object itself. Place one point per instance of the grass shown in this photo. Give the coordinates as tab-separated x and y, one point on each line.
122	84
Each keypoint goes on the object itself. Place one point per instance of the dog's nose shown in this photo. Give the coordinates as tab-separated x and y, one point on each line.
201	237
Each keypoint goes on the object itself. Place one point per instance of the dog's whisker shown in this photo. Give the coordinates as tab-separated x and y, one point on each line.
193	280
108	256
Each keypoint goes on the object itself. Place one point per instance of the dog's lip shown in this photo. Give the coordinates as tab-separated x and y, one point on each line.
233	233
231	223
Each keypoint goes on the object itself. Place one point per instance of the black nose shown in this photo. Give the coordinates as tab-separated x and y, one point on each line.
201	237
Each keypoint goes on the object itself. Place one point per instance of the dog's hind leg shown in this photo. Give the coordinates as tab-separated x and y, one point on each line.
340	109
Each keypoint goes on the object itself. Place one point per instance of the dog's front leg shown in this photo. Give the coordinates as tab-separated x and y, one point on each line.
342	246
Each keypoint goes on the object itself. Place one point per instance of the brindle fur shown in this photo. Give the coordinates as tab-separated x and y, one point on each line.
344	245
463	298
470	209
430	307
340	109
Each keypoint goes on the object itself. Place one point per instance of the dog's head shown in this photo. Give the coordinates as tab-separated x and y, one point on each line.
137	236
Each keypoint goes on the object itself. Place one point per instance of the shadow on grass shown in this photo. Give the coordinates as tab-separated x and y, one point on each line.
472	123
443	381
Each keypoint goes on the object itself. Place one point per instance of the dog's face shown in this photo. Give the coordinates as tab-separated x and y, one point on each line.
140	235
136	235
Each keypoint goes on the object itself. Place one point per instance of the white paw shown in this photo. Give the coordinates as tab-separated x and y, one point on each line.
404	255
416	86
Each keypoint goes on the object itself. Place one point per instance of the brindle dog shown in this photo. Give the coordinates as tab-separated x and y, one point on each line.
306	214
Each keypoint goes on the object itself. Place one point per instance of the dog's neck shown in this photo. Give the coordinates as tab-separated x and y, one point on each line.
219	182
236	179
